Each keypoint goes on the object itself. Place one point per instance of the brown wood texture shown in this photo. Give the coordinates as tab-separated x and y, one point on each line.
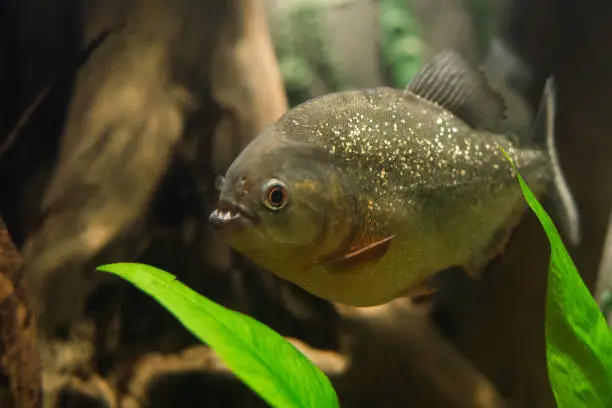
18	345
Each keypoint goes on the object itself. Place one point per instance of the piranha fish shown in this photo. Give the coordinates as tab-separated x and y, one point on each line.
360	197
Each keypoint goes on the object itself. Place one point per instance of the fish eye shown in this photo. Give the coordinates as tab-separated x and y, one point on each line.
274	195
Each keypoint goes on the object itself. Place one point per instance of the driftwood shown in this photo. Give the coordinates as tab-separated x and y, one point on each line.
18	345
395	347
125	125
414	354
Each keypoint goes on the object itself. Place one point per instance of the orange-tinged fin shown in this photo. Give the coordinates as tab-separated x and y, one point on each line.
419	291
370	253
475	272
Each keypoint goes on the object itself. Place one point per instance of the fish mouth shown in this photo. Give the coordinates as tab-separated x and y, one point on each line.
229	214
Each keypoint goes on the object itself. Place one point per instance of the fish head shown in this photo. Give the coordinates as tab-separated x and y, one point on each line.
284	204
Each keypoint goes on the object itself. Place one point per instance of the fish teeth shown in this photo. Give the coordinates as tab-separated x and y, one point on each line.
225	214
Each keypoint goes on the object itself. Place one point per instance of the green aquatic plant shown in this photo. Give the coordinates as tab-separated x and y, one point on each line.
486	21
401	44
303	53
264	360
578	339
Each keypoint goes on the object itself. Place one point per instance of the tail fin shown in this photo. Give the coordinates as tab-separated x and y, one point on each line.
565	212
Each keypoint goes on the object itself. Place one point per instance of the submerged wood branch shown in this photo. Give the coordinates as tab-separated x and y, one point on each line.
201	363
414	353
17	329
399	332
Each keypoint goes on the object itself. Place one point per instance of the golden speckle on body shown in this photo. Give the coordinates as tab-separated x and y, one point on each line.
397	150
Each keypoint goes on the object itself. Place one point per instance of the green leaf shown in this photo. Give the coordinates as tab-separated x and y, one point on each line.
578	340
260	357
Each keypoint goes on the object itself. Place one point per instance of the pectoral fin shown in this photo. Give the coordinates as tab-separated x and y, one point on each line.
366	254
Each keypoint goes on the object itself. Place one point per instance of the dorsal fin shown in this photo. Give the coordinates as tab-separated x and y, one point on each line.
450	82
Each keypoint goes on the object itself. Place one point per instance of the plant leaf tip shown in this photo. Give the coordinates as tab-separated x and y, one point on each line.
114	268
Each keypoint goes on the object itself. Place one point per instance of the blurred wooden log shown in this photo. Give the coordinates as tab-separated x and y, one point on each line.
18	346
152	95
201	365
445	24
583	61
398	359
161	108
75	391
356	52
244	66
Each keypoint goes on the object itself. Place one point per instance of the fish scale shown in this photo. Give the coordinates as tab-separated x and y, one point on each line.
400	147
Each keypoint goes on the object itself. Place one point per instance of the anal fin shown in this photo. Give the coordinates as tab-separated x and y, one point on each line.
420	290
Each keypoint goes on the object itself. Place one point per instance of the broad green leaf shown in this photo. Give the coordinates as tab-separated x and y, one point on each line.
578	340
259	356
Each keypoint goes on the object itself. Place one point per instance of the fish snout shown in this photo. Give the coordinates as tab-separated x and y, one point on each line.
219	218
228	214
